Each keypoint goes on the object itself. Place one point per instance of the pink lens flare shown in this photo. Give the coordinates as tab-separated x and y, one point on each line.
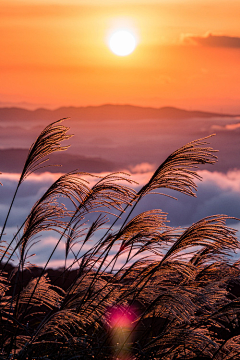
120	321
121	317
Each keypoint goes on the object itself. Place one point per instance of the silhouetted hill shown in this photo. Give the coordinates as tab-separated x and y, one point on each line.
103	112
12	160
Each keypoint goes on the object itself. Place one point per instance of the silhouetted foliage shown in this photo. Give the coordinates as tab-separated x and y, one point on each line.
173	295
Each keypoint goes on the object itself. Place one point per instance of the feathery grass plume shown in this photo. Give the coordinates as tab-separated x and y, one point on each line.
107	194
70	186
140	232
47	142
4	286
45	294
206	255
142	225
43	217
96	304
47	212
209	232
61	324
176	171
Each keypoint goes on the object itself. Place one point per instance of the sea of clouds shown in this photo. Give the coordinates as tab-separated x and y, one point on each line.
218	193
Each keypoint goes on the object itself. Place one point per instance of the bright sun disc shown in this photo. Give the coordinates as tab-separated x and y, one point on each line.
122	43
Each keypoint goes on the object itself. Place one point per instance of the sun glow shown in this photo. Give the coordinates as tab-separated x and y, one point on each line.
122	42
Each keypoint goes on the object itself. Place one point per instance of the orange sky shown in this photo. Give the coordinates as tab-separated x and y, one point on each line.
54	53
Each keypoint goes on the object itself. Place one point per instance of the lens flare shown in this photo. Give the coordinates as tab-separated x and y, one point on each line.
120	323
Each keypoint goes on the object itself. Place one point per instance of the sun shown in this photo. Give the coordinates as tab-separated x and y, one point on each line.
122	42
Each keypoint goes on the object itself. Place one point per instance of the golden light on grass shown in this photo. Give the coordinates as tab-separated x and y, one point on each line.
122	42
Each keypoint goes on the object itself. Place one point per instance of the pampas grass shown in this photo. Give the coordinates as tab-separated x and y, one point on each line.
170	298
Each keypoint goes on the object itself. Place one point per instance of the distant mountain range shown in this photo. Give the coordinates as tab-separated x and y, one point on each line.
103	112
116	137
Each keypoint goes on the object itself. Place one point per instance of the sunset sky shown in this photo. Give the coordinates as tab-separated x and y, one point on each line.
55	53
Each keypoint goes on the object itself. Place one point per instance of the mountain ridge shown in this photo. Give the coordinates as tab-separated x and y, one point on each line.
105	112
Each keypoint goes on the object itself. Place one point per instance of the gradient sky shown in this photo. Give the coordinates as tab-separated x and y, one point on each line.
55	53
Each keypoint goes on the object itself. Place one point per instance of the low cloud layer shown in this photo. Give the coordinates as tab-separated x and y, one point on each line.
218	193
211	40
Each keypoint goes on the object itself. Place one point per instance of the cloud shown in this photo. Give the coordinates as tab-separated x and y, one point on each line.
227	182
211	40
142	168
229	127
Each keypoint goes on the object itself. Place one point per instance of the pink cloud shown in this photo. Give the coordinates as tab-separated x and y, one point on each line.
232	126
46	176
229	181
142	168
226	127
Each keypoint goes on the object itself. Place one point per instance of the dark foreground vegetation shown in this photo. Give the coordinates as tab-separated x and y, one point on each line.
174	296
